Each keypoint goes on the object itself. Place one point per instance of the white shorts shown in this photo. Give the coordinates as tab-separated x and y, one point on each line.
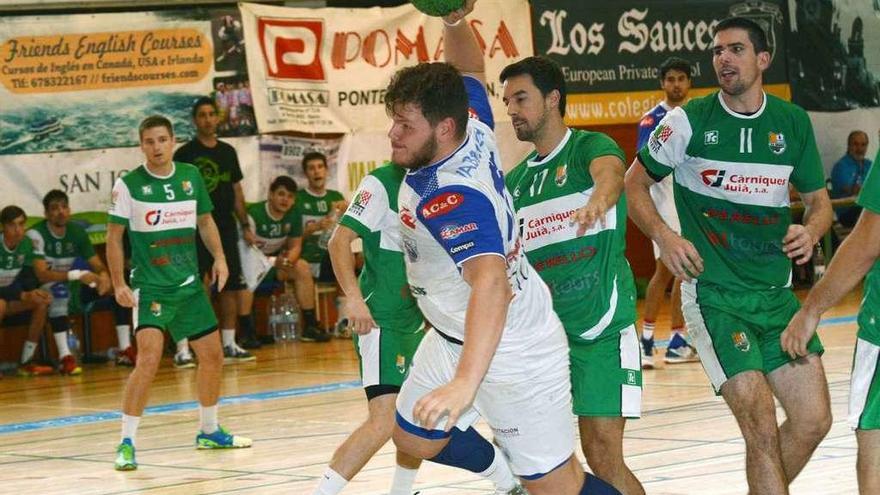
864	398
530	416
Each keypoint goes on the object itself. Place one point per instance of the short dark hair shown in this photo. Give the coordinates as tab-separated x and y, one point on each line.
545	72
756	33
53	196
203	100
855	133
155	121
675	63
313	155
10	214
284	181
436	88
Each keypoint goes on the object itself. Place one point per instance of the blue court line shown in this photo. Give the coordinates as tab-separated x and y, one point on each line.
174	407
245	398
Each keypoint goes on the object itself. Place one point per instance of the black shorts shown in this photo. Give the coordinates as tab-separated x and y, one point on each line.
229	242
11	292
325	272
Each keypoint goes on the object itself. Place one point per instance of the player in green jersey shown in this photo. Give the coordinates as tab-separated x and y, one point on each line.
572	217
19	290
161	203
385	318
317	209
857	256
277	235
733	156
63	242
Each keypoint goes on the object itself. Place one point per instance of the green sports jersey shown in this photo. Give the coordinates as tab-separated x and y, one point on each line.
13	260
372	214
61	252
272	233
732	174
589	277
161	216
310	208
869	199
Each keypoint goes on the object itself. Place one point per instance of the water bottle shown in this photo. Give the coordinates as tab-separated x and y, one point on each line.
818	264
293	317
288	316
274	327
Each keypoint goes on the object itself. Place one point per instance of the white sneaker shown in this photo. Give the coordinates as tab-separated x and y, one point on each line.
184	360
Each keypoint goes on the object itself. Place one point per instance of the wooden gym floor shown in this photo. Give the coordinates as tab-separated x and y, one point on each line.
299	401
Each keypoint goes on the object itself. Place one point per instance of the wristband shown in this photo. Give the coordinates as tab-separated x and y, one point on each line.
73	275
451	24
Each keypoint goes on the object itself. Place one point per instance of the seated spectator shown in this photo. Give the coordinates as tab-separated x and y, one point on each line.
18	286
278	235
318	210
849	174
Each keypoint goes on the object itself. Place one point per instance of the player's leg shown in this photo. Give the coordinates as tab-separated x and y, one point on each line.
868	460
864	408
39	310
606	387
59	322
246	325
229	299
122	317
654	297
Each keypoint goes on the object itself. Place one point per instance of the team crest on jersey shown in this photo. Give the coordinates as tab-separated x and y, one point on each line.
307	206
777	143
741	341
631	377
360	202
187	187
148	189
561	175
661	134
401	363
710	137
156	308
286	228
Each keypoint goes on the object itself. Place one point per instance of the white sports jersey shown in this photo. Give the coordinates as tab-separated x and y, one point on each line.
457	209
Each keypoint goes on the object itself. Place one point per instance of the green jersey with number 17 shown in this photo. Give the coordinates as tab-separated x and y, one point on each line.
161	216
588	275
372	214
731	177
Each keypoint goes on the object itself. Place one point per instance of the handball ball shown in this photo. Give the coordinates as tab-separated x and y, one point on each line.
437	8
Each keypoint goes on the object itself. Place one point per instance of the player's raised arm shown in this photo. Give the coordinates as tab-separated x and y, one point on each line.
460	46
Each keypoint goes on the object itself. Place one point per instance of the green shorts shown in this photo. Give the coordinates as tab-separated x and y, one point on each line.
385	357
736	331
606	375
185	312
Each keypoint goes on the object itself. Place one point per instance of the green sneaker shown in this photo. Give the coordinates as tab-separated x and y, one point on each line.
221	439
125	456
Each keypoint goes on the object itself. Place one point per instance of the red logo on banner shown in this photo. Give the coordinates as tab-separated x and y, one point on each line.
292	48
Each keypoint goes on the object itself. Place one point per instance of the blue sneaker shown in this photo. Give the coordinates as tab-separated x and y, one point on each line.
647	353
679	351
125	460
221	439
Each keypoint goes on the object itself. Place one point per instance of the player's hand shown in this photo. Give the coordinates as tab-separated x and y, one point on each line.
680	256
798	333
326	223
359	319
450	400
249	237
457	15
219	273
798	244
90	278
124	296
104	284
36	296
588	215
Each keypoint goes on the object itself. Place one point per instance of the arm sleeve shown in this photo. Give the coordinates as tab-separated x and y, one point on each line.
478	100
808	174
235	171
367	208
120	204
463	221
667	146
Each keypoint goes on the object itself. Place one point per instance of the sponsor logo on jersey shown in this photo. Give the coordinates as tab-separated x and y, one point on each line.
442	205
156	308
412	252
360	202
660	135
172	241
418	291
584	253
449	232
561	175
511	432
187	187
148	189
160	261
713	177
749	184
740	217
777	143
741	341
648	121
461	247
153	217
710	137
407	218
743	247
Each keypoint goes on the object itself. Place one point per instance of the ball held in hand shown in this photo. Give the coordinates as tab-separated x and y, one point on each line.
437	8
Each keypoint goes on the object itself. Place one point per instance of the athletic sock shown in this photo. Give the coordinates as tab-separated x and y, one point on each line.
123	335
228	335
183	346
331	483
468	450
597	486
247	326
130	426
27	351
648	329
208	418
403	481
61	344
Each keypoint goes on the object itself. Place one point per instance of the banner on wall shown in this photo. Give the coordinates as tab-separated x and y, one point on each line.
325	70
283	155
610	51
834	54
76	82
